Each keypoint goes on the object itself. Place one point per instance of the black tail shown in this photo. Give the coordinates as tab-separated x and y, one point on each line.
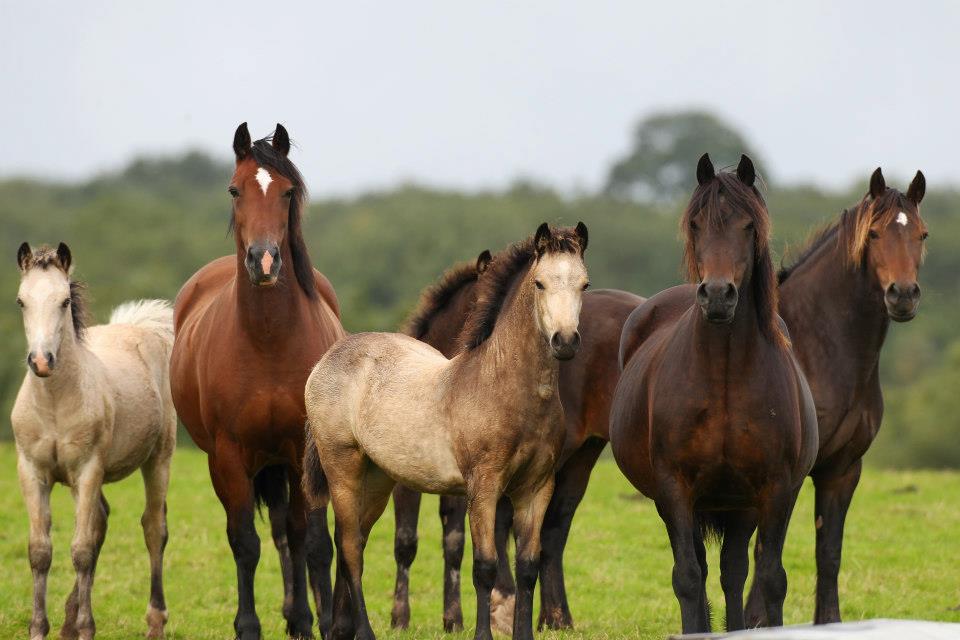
713	524
270	487
314	480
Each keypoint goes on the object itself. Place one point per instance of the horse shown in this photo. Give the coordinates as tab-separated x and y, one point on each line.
586	389
249	327
94	407
838	299
386	408
712	417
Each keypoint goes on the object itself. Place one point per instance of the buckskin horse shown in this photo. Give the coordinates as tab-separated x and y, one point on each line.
712	417
386	408
838	299
586	389
249	328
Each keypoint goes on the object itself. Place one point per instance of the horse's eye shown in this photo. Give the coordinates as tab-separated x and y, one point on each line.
19	303
873	234
693	225
749	227
234	192
288	193
66	303
539	284
924	235
586	286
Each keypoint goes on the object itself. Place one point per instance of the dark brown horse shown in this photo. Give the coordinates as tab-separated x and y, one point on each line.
586	389
249	328
838	300
712	417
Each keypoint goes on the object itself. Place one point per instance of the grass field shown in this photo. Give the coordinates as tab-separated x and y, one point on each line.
901	560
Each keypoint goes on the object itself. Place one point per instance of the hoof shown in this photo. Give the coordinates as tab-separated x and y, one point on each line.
400	615
555	619
501	611
156	619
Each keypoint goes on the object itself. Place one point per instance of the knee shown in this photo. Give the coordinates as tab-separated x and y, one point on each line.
83	556
774	583
453	544
405	546
686	579
41	555
245	544
484	573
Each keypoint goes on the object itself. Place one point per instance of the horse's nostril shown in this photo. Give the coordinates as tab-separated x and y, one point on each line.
702	293
575	341
915	290
555	340
731	292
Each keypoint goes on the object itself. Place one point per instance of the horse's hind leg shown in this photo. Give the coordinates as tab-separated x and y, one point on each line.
89	533
406	510
156	479
35	486
504	595
319	559
453	516
299	618
571	485
527	523
235	491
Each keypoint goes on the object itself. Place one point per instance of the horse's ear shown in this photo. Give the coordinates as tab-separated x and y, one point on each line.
281	140
241	142
63	255
581	231
541	238
877	184
917	188
483	261
24	256
745	170
705	172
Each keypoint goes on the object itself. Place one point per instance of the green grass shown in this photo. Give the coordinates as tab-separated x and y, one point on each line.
901	560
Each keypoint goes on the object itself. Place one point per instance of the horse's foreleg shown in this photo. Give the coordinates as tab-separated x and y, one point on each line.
406	511
235	491
735	563
299	618
771	579
504	595
35	486
482	506
319	560
571	485
156	477
279	511
834	493
89	533
527	523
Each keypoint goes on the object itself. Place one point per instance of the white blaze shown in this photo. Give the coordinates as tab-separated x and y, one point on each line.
264	179
902	218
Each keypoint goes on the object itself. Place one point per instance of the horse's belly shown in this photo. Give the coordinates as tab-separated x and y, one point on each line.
421	459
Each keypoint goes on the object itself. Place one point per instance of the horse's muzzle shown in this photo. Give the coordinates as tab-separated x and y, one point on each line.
902	301
718	300
565	348
263	263
41	363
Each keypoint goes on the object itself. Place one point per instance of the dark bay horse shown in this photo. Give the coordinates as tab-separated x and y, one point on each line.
586	389
712	417
386	408
249	328
838	300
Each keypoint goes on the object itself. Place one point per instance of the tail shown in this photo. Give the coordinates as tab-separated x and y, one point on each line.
153	314
270	487
713	524
314	480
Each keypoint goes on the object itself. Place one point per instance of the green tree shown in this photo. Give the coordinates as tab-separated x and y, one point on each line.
661	165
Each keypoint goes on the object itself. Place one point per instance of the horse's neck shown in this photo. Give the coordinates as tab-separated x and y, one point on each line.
836	306
516	354
734	344
270	313
71	383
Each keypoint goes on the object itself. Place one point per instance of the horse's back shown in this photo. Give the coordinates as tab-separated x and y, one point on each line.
380	393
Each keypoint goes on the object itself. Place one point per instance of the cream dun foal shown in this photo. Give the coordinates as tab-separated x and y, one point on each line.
386	408
94	407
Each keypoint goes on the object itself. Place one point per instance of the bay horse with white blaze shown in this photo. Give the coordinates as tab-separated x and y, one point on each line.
586	389
838	299
712	417
94	408
385	408
249	328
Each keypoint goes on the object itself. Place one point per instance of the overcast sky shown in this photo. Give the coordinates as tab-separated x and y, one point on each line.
472	96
